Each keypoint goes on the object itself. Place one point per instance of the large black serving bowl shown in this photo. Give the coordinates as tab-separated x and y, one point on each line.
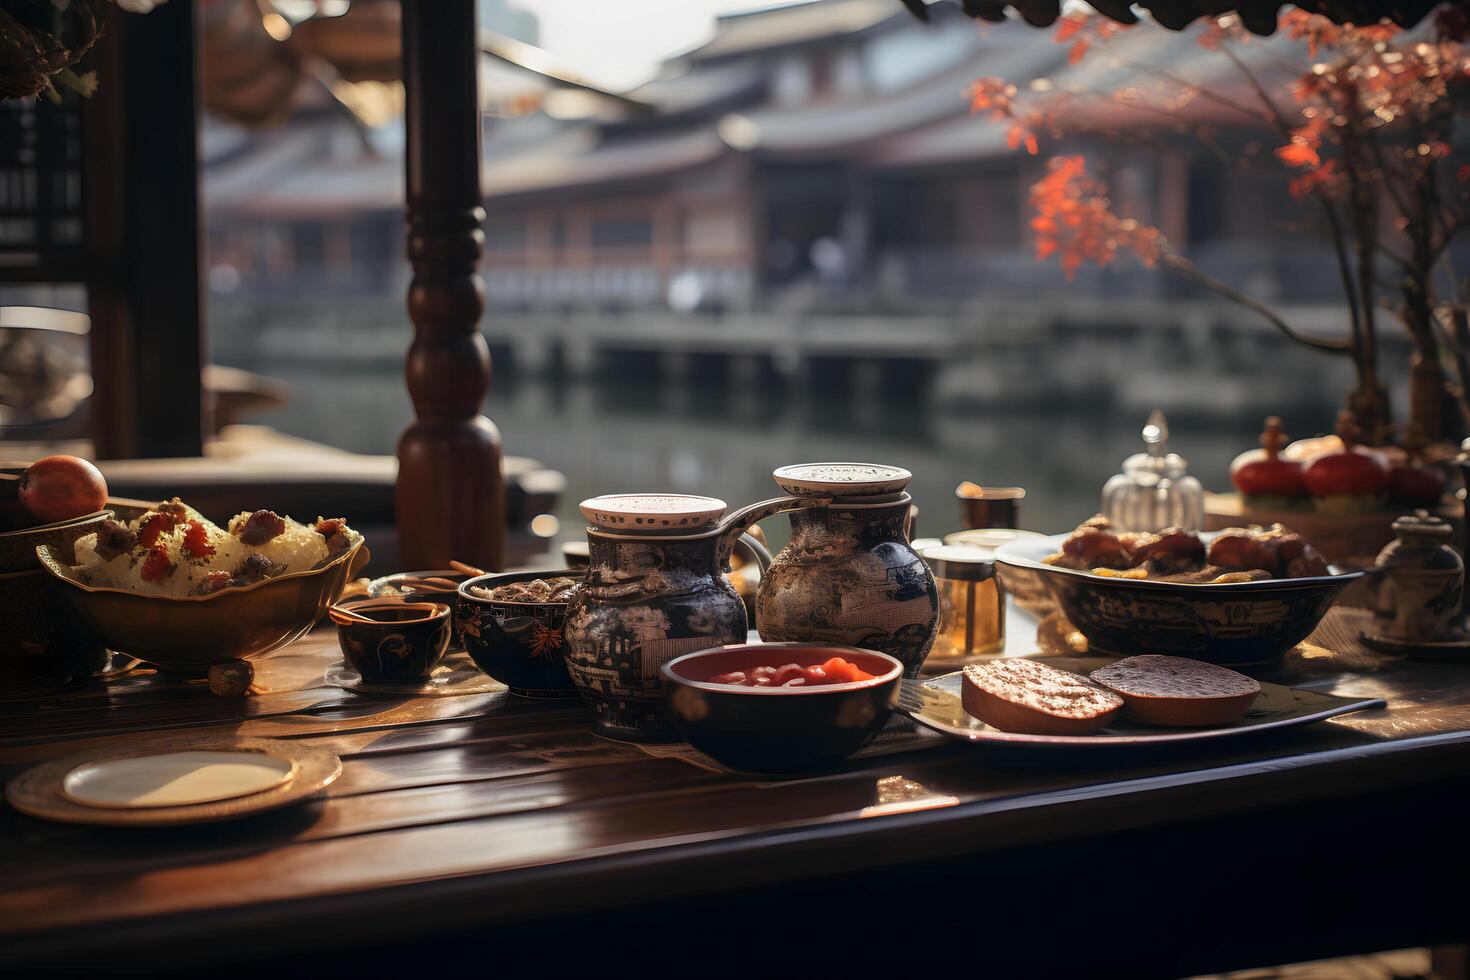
519	644
1241	624
779	729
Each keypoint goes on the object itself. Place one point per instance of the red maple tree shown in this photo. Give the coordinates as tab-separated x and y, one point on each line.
1365	132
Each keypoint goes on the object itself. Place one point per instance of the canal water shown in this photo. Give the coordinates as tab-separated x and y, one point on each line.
632	430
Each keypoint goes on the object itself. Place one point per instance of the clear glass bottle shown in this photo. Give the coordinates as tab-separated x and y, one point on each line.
972	607
1155	490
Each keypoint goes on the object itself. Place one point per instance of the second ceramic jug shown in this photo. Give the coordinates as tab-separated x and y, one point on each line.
848	575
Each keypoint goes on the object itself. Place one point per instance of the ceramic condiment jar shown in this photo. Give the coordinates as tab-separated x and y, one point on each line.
1416	582
655	589
849	575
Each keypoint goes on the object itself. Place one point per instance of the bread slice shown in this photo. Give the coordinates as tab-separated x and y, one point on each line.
1178	693
1018	695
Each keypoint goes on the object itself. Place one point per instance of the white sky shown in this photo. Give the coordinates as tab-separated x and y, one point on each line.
620	42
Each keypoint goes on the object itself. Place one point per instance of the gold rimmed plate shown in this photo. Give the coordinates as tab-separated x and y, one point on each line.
174	782
935	704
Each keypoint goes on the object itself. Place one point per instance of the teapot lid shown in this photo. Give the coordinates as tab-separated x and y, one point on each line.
1421	524
841	479
652	511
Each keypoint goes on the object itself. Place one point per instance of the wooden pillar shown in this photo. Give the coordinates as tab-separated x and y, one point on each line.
145	291
451	493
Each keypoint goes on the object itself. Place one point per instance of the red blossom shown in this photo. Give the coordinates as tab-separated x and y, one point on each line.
1075	221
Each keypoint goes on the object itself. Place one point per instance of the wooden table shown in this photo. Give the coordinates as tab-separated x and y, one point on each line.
502	830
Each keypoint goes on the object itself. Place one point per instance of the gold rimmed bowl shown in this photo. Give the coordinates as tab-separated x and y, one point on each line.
191	634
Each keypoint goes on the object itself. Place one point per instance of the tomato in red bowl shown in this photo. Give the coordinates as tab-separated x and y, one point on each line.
830	701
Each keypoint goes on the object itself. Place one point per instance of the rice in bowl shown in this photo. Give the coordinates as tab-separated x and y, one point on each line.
175	551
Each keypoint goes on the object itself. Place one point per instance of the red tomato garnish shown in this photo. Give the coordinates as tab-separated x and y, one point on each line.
153	527
157	567
196	541
834	671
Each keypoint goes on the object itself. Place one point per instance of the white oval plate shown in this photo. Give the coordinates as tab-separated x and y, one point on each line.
174	779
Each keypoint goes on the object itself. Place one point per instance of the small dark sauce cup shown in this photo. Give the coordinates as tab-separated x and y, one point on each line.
401	645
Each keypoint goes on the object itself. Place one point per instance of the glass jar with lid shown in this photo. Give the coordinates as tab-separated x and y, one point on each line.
972	606
1155	490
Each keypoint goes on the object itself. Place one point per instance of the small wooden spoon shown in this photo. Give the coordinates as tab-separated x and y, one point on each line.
344	616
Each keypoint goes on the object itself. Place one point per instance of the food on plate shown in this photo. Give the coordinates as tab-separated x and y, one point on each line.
173	550
59	488
1263	477
1176	692
1239	554
1028	697
1349	480
834	671
558	589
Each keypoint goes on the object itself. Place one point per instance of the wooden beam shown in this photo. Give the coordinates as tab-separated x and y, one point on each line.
451	493
143	219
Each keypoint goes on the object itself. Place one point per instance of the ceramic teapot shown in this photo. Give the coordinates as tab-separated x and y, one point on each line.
848	575
1416	583
655	589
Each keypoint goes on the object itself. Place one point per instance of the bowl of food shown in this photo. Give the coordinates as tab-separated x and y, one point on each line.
178	592
1242	596
511	624
781	707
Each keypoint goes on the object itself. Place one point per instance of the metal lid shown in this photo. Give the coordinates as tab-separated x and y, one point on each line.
652	511
959	561
973	491
841	479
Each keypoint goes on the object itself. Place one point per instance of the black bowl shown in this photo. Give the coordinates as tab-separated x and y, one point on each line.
1240	624
779	729
519	644
403	645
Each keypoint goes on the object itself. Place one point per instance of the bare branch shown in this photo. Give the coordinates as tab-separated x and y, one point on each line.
1182	266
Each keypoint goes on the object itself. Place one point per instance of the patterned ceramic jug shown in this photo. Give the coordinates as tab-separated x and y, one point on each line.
654	590
849	576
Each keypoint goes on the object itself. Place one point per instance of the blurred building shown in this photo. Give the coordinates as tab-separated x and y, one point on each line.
820	155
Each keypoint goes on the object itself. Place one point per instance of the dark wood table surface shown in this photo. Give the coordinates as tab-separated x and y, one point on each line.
464	824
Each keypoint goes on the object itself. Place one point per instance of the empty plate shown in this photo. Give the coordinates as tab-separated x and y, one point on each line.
174	779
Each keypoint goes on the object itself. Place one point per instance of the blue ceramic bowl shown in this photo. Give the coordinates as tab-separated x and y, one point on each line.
1239	624
519	644
779	729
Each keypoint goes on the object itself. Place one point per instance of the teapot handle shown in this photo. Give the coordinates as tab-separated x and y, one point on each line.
735	523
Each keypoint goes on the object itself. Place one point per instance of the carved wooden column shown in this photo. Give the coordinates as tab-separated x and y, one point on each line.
451	493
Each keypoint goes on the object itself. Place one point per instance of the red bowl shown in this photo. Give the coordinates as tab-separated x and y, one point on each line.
779	729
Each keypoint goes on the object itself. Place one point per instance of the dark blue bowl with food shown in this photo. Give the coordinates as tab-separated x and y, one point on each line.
511	624
1235	624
